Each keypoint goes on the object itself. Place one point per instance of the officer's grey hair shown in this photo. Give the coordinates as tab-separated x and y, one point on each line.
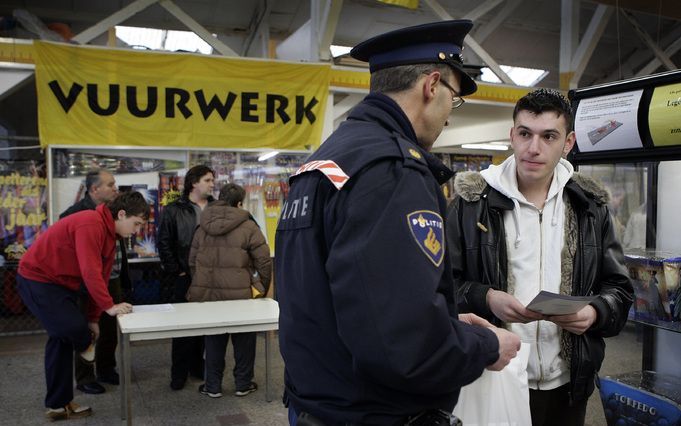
403	77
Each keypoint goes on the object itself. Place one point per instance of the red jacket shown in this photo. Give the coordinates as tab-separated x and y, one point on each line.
77	249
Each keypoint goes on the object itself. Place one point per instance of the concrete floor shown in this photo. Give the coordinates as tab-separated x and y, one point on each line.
22	388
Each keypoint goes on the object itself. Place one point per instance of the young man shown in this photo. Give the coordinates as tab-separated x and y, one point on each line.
227	250
531	224
176	231
100	189
368	326
77	250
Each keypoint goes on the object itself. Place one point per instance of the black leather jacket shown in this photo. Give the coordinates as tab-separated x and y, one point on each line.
175	234
479	263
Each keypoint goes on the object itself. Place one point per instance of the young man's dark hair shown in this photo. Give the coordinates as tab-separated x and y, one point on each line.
233	194
133	203
544	100
193	176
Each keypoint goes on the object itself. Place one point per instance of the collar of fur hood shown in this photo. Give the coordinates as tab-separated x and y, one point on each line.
471	185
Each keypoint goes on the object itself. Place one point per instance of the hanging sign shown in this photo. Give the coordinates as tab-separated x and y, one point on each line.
96	96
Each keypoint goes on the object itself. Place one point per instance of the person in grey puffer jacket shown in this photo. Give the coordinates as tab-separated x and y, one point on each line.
229	260
532	224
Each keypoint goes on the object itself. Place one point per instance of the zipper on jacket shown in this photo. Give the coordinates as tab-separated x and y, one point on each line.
541	287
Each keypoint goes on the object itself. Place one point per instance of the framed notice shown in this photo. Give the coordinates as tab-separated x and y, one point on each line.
607	123
664	115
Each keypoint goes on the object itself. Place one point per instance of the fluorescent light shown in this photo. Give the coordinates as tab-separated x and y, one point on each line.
487	146
337	51
526	77
267	155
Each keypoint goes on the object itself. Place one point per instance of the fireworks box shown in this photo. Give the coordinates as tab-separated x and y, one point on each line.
641	398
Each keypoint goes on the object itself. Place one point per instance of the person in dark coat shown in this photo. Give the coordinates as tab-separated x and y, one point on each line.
369	328
229	260
101	188
532	224
179	220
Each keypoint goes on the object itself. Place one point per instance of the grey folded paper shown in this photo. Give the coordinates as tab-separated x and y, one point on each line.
548	303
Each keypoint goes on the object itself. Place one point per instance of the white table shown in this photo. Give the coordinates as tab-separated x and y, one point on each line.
195	319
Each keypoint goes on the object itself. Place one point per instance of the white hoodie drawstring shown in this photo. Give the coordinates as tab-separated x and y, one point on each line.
516	221
554	217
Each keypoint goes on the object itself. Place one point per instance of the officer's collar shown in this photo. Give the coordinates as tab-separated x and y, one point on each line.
396	119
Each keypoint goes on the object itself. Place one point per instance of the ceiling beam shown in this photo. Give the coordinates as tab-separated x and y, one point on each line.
586	47
488	28
481	10
259	26
346	104
569	40
111	21
197	28
482	53
643	35
332	17
655	63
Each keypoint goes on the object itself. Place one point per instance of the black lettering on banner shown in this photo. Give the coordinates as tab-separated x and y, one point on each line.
114	99
280	109
131	99
247	106
171	92
215	104
66	101
305	110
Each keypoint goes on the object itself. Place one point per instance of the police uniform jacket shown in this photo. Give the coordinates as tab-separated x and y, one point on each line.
477	247
367	309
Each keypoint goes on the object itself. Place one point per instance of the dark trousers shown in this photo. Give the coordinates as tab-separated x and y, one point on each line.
57	309
244	359
105	351
186	352
552	407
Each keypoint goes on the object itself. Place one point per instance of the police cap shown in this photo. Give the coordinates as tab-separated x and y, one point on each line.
434	43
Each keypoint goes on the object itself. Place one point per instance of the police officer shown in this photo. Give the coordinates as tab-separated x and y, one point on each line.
368	328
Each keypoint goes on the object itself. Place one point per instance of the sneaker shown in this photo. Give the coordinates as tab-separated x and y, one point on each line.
252	387
203	391
71	411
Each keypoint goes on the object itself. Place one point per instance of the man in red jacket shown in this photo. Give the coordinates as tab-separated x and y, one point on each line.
77	249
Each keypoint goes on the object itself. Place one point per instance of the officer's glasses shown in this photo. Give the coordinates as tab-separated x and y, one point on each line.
457	100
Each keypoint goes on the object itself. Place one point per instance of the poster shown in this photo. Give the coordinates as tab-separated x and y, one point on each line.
606	123
664	116
23	207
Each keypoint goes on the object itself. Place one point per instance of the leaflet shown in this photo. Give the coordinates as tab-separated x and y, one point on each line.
548	303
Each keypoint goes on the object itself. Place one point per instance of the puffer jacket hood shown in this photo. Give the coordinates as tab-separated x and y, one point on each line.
220	218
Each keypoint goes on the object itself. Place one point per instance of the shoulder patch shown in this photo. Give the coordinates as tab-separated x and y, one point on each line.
427	229
330	169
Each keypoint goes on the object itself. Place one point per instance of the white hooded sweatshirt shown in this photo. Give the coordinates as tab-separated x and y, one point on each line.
534	242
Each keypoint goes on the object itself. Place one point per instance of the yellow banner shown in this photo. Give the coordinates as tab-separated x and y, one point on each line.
96	96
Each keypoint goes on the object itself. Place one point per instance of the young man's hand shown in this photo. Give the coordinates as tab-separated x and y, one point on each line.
576	323
119	309
509	345
508	309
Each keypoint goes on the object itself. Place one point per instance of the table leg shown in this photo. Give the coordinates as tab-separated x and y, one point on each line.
268	335
126	406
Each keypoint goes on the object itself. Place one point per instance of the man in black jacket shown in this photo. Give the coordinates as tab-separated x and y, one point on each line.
101	188
532	224
176	231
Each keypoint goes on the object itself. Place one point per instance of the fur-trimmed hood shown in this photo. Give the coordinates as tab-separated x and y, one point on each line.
470	185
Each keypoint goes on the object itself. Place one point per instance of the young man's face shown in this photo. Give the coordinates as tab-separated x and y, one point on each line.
128	225
106	190
539	141
204	187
